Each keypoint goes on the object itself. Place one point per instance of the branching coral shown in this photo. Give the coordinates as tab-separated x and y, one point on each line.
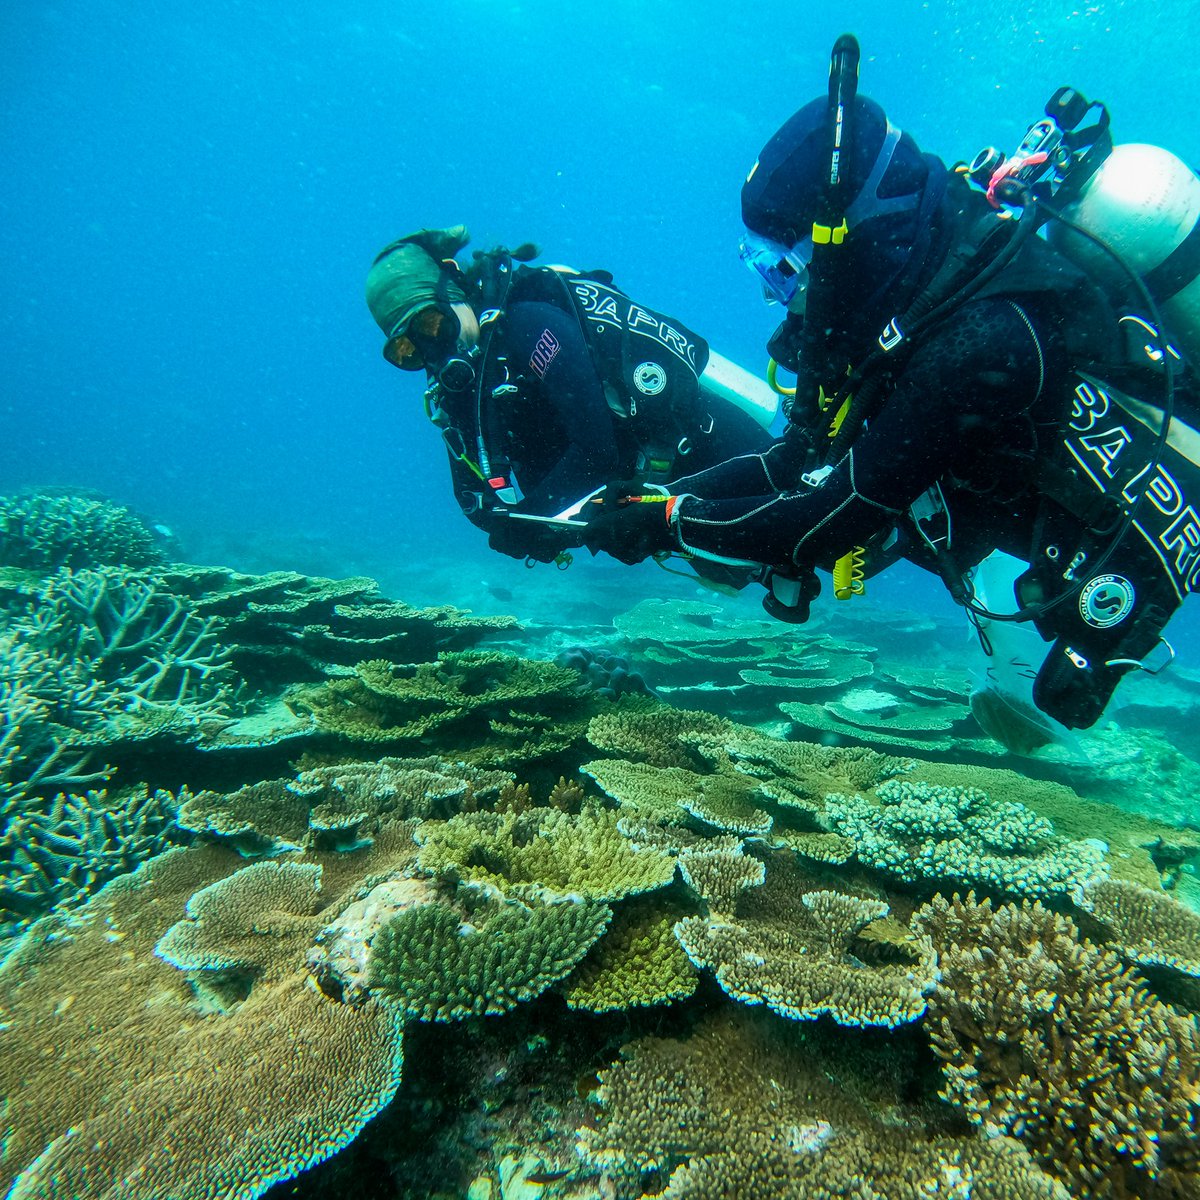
58	852
481	954
44	531
1052	1039
924	831
743	1108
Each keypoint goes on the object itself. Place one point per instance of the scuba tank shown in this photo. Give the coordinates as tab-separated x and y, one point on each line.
1144	202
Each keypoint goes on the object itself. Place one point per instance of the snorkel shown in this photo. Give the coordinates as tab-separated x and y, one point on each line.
825	302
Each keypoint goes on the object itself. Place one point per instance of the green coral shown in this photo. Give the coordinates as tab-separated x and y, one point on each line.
444	962
44	531
672	795
540	850
924	831
638	963
643	731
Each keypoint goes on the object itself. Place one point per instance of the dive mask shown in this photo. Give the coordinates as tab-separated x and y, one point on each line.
781	270
428	338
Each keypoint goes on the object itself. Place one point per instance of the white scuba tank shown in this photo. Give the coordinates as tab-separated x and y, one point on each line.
735	385
1144	202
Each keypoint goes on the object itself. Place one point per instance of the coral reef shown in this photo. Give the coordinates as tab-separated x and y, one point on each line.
1053	1040
924	831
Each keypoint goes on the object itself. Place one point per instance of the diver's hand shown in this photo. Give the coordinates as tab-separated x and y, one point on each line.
630	523
530	539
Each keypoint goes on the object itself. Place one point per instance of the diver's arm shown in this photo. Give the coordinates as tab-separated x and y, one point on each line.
963	395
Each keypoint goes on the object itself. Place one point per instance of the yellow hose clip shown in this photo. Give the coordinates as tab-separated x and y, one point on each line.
830	235
777	388
849	578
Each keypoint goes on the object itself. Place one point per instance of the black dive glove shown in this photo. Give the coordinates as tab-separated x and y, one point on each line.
630	523
530	539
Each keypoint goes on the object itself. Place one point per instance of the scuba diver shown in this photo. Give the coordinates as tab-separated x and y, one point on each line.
547	383
966	387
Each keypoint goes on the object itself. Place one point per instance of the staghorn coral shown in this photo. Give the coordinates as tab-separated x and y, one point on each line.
1150	928
118	1082
44	531
494	708
637	963
797	954
480	953
544	850
1052	1039
924	831
744	1108
56	853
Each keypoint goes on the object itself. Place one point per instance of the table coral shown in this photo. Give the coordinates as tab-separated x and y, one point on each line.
118	1083
1052	1039
243	921
742	1108
336	806
673	794
924	831
495	707
545	850
799	959
653	733
1151	928
638	962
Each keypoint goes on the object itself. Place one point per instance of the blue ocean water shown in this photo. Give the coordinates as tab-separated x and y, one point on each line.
195	193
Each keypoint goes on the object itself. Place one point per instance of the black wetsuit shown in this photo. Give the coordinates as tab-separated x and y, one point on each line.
970	410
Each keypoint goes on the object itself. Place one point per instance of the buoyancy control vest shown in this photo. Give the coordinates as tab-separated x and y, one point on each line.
648	364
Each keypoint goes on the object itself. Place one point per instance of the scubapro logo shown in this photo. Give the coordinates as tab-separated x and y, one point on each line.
1107	600
649	378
